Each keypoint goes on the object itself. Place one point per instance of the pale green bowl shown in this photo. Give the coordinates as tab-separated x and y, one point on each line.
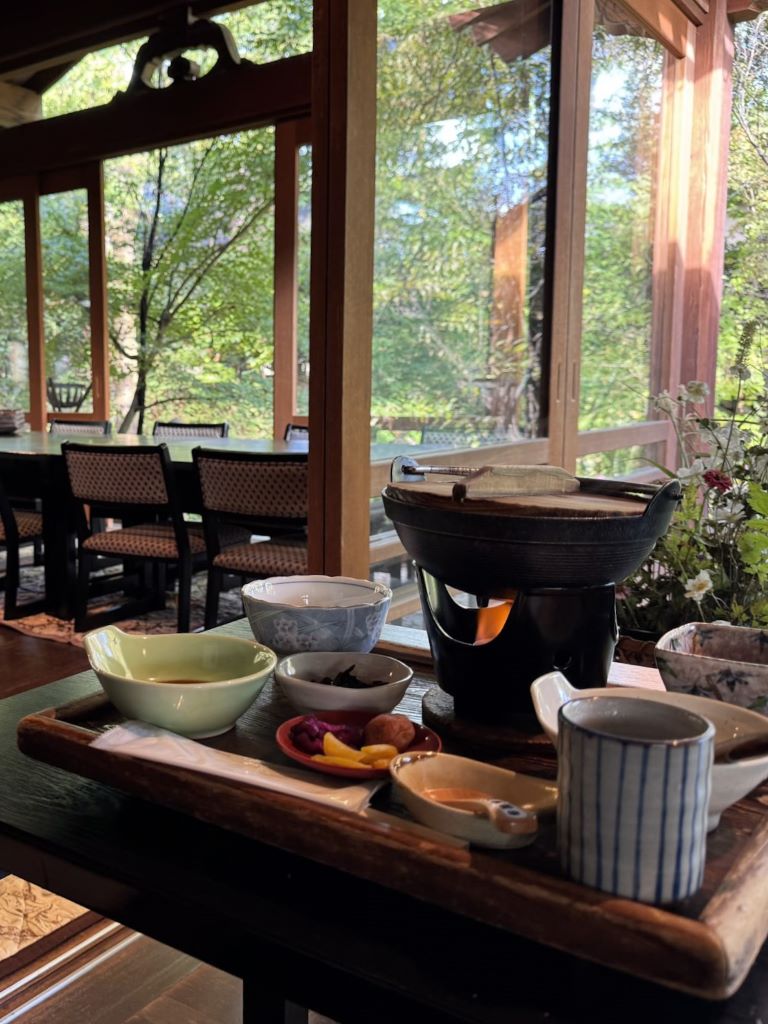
129	668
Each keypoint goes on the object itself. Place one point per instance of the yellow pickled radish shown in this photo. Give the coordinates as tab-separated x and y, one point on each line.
333	747
340	762
378	752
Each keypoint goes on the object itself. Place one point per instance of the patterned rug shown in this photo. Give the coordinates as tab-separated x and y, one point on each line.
33	921
46	627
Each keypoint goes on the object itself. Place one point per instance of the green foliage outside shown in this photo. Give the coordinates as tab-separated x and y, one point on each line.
745	294
462	142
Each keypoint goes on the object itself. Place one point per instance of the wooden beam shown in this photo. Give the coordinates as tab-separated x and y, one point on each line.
663	20
285	270
610	439
695	10
41	81
570	196
97	283
344	125
18	105
745	10
708	192
248	96
46	32
35	323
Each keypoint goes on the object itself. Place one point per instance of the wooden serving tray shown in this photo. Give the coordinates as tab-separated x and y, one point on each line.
704	945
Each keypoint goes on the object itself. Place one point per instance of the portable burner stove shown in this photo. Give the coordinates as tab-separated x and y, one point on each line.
512	589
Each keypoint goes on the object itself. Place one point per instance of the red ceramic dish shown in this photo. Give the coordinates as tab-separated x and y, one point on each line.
425	740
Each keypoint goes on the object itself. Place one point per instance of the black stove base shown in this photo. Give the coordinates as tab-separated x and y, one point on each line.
573	630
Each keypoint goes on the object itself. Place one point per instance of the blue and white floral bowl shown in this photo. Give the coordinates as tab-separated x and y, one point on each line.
316	613
716	659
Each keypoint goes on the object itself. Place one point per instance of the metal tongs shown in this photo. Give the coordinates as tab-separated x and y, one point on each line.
552	479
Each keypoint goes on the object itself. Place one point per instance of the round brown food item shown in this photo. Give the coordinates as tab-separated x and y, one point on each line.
396	730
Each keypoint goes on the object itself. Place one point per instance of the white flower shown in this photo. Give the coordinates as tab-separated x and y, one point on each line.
700	585
664	402
730	440
694	391
729	512
692	473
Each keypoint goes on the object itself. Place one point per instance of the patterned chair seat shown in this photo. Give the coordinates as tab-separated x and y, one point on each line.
29	525
264	558
148	540
266	495
132	485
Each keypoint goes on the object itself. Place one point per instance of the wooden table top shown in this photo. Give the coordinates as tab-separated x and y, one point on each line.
346	947
180	448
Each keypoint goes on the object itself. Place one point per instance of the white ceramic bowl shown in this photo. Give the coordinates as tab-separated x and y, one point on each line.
716	659
730	781
413	773
316	613
131	667
298	677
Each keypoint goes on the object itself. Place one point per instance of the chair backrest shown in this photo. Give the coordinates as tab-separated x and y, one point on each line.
63	395
85	428
262	487
293	432
173	429
106	475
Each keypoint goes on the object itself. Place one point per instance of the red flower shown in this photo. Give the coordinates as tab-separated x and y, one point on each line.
717	479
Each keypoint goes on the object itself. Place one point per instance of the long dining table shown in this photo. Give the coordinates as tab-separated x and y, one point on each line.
32	466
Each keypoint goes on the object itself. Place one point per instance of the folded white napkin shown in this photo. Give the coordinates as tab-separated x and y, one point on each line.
153	744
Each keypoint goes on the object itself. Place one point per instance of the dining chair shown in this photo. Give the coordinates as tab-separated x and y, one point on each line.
84	428
18	527
295	432
63	395
136	487
264	495
175	429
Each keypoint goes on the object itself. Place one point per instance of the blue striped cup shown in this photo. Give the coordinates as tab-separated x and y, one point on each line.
633	782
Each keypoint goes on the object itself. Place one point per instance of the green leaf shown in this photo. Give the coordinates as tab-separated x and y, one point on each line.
757	499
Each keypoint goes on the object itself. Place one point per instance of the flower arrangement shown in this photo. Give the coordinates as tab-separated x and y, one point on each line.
713	561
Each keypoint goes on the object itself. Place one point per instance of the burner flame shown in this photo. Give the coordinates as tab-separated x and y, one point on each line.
491	620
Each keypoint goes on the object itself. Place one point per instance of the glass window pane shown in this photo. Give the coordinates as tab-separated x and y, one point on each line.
462	150
190	260
620	464
625	105
66	300
14	369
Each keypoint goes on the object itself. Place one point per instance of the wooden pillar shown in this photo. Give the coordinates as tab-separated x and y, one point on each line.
344	128
708	193
570	196
97	282
35	325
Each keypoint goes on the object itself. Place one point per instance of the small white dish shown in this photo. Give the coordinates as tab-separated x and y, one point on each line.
414	774
291	614
730	781
149	677
298	677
